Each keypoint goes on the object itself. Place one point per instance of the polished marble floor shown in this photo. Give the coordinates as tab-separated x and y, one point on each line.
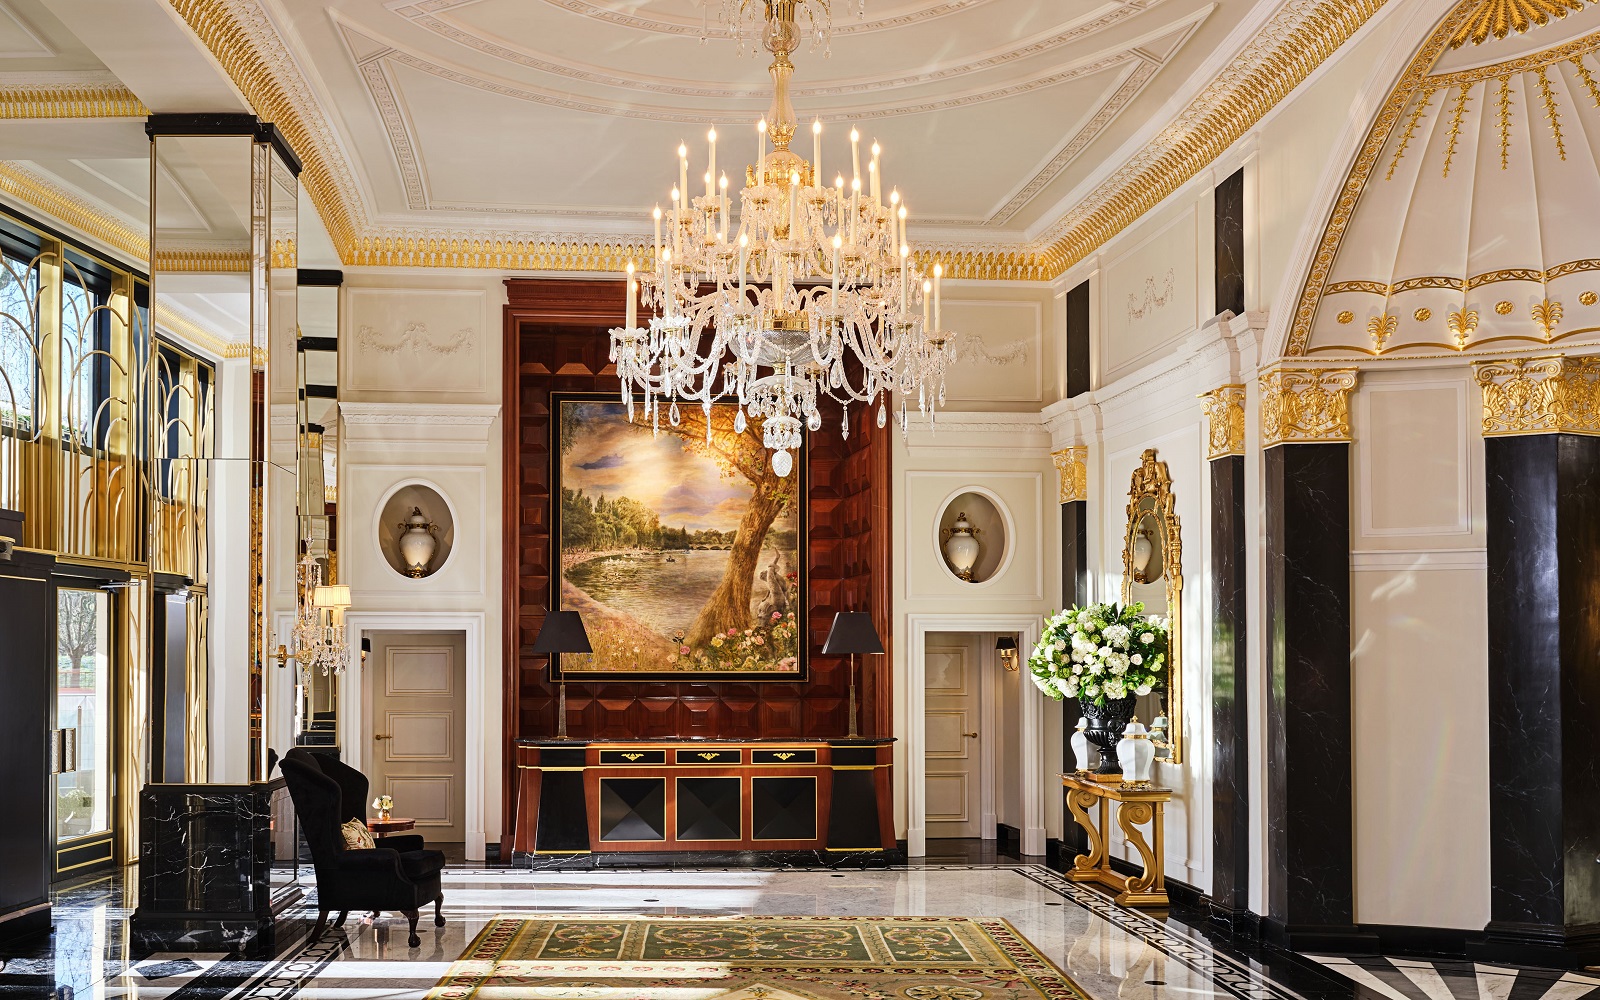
1114	954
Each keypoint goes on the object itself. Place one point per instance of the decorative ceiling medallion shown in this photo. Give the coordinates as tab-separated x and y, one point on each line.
1499	18
107	100
1548	395
1347	317
1503	308
1072	469
1306	405
1588	298
1422	315
1224	408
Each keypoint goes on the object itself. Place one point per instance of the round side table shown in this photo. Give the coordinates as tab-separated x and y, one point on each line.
394	824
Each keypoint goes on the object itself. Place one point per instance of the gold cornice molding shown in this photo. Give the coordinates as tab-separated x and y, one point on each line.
1297	40
1072	471
1553	394
106	100
1306	405
40	194
1224	407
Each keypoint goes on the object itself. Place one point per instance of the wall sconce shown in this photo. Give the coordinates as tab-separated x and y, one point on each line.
1006	646
366	649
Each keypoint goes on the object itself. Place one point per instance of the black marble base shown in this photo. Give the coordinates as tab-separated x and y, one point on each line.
205	868
712	859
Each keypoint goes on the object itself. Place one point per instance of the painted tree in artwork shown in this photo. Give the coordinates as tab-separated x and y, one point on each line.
743	455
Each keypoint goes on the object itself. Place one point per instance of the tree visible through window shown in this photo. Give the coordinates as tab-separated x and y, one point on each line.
19	360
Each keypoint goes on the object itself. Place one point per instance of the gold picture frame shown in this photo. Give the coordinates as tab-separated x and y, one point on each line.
1152	570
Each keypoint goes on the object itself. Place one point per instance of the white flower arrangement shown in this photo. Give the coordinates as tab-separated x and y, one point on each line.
1100	653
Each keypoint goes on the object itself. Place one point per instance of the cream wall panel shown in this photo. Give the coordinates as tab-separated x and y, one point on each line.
1150	291
1000	346
409	336
1019	496
1419	679
1419	664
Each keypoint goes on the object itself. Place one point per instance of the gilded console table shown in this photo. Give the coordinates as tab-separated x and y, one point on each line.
1135	808
646	796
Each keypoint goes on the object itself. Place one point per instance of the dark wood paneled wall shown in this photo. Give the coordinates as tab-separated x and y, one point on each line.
556	339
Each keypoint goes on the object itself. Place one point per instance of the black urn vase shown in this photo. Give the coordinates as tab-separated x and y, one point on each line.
1106	723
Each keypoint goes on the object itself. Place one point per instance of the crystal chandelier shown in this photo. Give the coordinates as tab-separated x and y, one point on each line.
318	633
812	293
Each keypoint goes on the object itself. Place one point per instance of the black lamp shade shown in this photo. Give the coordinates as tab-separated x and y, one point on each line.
1006	642
562	633
852	632
366	645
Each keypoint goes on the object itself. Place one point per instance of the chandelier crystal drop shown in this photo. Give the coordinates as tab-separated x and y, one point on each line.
812	292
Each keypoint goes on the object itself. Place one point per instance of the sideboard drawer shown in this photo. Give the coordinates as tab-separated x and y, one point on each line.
625	758
783	756
710	757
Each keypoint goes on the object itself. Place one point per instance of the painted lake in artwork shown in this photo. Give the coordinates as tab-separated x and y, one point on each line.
663	595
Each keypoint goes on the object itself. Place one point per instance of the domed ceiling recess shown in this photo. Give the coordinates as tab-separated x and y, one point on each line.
1471	220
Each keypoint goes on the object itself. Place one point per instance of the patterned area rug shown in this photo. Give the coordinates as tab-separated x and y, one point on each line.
753	958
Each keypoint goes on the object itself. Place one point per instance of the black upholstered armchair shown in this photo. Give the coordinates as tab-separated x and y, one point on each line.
397	874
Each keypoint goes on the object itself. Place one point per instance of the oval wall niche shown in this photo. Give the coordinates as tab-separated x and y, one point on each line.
989	524
399	509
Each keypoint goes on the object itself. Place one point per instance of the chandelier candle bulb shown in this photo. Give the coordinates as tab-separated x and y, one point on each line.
877	192
855	156
683	170
927	303
633	300
725	207
656	215
816	151
711	171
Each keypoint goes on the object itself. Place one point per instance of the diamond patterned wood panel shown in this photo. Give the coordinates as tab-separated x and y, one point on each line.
556	339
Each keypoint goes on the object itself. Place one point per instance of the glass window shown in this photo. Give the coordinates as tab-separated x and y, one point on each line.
83	709
19	360
85	335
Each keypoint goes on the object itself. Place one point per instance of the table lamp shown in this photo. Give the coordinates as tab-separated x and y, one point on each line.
852	633
562	632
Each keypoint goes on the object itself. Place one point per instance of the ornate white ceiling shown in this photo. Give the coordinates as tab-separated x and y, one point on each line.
1477	220
563	116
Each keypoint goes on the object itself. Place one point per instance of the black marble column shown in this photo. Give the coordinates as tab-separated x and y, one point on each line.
1310	829
1543	539
1230	786
1074	590
1078	340
1228	201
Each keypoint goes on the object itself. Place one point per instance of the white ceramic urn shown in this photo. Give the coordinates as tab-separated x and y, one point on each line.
962	547
1135	754
1080	744
417	543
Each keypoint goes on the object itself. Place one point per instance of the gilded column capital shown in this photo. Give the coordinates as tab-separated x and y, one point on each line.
1543	395
1306	405
1072	465
1224	407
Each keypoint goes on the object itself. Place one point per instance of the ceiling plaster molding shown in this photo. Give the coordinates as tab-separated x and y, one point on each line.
180	324
1498	18
1293	44
242	38
62	100
600	12
1415	79
54	201
503	49
1297	40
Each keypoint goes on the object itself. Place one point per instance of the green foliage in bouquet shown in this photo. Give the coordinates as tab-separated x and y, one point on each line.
1101	652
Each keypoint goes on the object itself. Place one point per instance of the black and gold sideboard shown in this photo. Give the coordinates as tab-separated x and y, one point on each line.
577	797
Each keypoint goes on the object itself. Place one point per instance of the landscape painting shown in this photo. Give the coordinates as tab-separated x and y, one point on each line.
682	550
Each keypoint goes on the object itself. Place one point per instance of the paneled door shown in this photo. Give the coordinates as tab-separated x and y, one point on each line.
953	746
417	734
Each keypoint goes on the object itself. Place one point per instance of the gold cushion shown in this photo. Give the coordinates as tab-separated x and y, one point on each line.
356	836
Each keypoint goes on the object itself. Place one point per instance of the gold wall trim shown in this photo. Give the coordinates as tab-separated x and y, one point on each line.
1306	405
1224	408
1072	472
1499	18
111	100
1414	79
1540	395
36	192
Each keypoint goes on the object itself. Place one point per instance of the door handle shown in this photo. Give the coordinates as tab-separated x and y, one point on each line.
970	736
382	736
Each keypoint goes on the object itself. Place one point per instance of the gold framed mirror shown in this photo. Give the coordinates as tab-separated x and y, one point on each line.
1152	573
